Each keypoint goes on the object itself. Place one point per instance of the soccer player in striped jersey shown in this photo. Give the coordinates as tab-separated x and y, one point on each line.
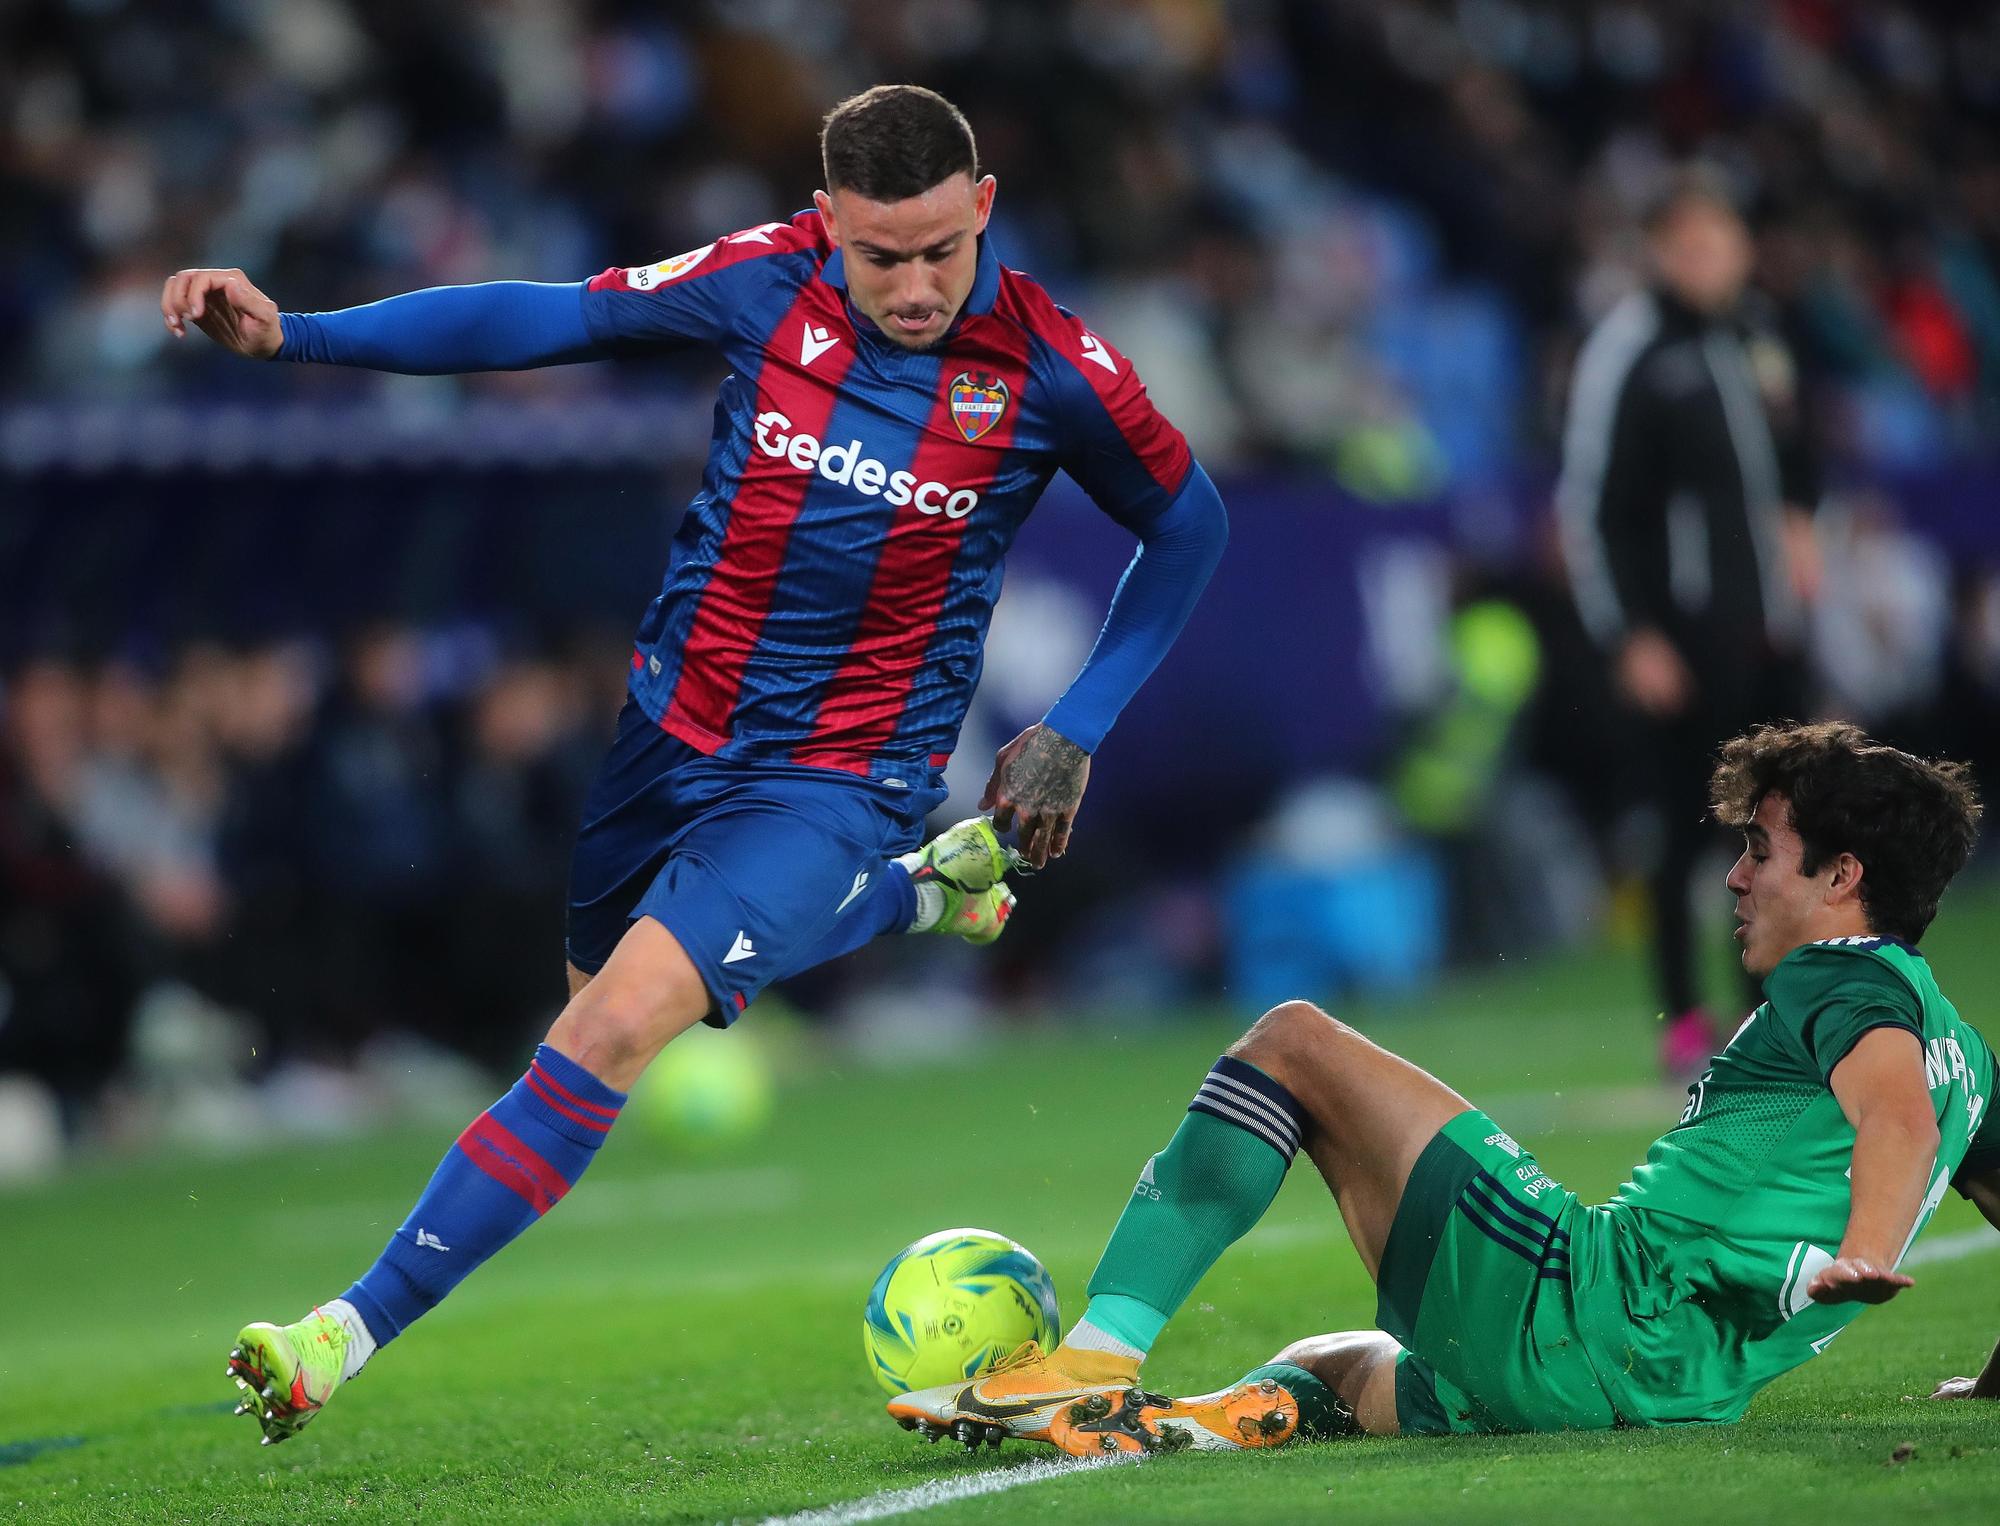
1810	1155
898	401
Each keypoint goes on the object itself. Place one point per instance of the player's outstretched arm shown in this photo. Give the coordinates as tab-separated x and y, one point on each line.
1039	777
1880	1087
441	331
224	305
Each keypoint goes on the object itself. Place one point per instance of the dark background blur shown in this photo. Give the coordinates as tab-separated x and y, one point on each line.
305	670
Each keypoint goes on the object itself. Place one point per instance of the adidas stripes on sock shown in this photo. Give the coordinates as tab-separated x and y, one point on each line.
1194	1199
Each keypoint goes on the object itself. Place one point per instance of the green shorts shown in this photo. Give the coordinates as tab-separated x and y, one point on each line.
1475	1286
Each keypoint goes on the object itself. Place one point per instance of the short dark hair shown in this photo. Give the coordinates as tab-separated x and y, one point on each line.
894	142
1912	822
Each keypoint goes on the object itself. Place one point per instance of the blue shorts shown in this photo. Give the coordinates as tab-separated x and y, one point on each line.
747	865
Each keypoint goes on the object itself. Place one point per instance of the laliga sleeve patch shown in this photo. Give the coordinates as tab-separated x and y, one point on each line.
646	277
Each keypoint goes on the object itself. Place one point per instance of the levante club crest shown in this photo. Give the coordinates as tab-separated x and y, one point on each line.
978	398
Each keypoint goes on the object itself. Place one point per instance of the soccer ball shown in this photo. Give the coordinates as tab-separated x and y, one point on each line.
952	1305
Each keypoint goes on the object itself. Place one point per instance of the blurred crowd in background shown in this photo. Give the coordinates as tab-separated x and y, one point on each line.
332	846
1355	236
1351	244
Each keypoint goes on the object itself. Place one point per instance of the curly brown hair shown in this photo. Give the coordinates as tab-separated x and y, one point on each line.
1912	822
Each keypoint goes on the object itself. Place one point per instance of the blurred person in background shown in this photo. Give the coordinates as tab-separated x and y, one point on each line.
376	836
265	966
72	945
513	804
1685	498
150	787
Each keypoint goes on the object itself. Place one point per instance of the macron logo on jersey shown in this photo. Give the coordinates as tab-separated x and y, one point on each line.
1094	351
846	465
813	343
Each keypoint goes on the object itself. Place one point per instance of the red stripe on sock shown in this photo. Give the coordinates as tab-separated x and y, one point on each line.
539	1084
489	1145
505	1172
539	1069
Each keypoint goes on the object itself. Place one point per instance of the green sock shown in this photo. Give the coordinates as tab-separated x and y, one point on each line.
1321	1414
1194	1200
1127	1321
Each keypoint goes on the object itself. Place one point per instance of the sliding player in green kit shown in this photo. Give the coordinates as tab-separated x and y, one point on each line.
1810	1154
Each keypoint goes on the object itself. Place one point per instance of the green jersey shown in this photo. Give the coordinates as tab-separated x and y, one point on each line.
1692	1289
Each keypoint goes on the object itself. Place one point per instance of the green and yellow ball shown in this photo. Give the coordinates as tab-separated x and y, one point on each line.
953	1304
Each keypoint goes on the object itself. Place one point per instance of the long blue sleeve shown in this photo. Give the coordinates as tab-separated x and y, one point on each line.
498	326
1177	553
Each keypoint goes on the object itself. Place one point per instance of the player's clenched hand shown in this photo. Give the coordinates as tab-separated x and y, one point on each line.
1853	1279
1653	675
226	307
1037	784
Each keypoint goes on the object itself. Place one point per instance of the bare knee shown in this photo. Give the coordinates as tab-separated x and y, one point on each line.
1289	1039
1359	1366
1330	1357
612	1031
619	1019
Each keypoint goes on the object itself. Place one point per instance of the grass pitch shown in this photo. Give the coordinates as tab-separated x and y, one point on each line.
680	1341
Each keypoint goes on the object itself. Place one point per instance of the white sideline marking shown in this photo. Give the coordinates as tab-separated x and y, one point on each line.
943	1491
1967	1242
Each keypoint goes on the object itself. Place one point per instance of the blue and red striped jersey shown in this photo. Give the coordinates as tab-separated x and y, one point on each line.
830	586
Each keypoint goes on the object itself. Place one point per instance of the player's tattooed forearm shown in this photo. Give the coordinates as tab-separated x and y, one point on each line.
1048	773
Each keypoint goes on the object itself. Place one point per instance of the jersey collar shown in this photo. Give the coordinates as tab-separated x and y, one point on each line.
986	280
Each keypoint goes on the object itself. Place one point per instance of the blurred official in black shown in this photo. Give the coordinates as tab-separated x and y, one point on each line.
1685	498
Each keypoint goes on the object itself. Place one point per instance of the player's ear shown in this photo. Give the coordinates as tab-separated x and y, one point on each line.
982	202
1845	886
825	204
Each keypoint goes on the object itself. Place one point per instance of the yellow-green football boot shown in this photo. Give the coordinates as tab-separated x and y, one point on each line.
977	918
960	892
288	1372
968	858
